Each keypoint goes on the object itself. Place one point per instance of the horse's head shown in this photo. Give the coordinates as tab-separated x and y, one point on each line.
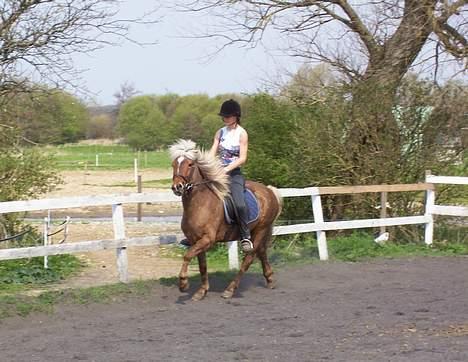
182	175
193	167
184	154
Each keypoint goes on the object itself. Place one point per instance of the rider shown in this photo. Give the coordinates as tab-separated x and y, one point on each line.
231	144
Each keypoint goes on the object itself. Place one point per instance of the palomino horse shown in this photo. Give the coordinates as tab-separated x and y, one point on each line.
203	184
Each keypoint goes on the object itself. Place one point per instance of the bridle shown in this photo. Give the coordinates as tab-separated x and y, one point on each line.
187	186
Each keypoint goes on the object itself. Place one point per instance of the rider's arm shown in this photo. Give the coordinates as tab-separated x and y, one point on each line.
244	146
214	147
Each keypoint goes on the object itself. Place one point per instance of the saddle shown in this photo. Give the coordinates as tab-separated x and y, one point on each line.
252	206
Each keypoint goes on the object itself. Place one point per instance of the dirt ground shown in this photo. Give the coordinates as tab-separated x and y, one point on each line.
144	262
383	310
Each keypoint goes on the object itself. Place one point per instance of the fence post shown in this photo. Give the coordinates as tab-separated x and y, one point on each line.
46	238
139	189
119	233
383	209
318	218
430	201
135	169
233	254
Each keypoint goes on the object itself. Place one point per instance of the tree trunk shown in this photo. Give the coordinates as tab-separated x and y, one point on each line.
373	141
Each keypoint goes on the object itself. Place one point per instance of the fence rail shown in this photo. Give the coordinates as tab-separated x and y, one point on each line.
120	242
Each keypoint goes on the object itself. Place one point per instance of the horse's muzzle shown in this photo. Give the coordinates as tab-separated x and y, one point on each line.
178	189
181	188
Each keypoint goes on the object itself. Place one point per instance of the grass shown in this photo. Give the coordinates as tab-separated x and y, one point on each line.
23	274
108	157
162	183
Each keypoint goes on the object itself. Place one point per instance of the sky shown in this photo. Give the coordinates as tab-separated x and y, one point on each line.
176	64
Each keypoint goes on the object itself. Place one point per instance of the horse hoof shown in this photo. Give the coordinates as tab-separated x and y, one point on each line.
227	294
183	286
271	285
199	295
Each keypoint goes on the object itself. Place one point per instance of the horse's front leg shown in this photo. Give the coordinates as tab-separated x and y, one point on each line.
198	249
205	286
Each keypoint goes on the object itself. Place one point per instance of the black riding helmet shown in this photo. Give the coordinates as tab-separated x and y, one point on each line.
230	108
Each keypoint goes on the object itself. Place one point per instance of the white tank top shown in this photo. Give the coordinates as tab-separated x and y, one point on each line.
229	144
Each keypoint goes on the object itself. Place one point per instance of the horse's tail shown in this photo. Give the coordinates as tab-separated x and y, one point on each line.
278	198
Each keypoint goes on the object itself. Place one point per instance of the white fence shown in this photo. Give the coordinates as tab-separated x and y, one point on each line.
120	242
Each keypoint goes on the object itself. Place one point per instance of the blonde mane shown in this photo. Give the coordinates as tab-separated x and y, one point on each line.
210	167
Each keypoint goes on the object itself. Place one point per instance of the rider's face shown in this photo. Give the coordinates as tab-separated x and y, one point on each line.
230	120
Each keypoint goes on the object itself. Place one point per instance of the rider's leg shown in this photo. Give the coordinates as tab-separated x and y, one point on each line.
237	186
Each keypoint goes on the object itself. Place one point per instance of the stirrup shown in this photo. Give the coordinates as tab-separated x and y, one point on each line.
246	245
185	242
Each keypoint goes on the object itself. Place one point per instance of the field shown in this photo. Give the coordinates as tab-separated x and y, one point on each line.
102	156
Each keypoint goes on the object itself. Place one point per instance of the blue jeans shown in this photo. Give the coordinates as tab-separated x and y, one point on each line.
237	187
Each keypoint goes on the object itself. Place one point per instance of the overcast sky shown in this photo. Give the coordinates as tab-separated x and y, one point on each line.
176	64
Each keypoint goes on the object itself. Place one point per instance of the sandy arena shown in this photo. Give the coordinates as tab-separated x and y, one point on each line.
384	310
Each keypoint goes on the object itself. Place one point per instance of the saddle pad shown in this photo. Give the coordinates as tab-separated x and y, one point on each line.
252	207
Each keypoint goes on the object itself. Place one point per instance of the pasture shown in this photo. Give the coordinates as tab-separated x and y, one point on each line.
106	157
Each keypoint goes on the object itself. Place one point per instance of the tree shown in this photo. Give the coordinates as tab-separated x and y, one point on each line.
372	44
142	123
24	173
47	116
37	41
39	37
195	118
100	126
127	90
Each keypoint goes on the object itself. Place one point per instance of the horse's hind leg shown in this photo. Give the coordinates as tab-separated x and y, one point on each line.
259	239
267	270
201	292
248	259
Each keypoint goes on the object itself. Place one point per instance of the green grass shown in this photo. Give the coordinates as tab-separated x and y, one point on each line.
23	274
357	247
162	183
110	157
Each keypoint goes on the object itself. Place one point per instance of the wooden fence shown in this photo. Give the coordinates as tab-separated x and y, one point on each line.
120	242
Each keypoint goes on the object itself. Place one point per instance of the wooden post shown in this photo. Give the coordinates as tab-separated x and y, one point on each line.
97	159
318	218
233	254
430	201
135	169
119	233
383	209
46	238
139	189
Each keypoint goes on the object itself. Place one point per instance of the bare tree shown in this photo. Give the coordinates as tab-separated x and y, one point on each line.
127	90
39	37
372	43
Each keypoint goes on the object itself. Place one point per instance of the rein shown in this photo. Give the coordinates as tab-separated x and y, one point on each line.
188	185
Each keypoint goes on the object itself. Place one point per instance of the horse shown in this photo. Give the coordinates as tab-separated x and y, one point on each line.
201	181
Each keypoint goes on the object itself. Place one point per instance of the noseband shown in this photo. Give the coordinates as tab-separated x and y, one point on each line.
188	185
